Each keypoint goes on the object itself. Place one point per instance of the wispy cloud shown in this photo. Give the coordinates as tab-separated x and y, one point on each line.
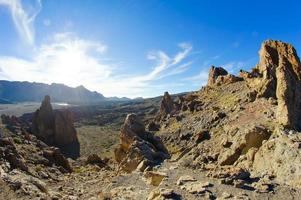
233	66
23	19
165	66
199	79
65	59
69	59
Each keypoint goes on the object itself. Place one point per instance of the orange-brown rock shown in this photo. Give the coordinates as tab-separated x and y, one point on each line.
137	145
167	107
279	76
219	76
56	128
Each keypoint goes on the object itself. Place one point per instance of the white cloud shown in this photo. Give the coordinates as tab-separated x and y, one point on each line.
146	84
74	61
164	63
199	79
233	66
65	59
23	19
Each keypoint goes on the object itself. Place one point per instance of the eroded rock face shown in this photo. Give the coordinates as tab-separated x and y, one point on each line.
218	76
43	122
244	144
137	145
167	107
279	76
214	73
56	128
280	156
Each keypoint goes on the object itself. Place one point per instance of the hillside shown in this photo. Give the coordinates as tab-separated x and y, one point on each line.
15	92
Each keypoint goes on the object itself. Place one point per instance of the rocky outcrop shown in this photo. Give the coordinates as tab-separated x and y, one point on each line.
13	123
56	128
244	145
280	157
278	75
9	152
137	145
167	107
214	73
219	76
55	156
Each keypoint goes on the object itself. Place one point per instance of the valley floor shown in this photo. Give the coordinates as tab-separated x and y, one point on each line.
93	183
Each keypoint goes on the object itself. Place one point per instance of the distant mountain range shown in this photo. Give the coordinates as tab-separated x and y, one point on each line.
16	92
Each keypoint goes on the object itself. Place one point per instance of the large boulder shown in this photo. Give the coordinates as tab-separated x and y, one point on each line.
137	145
278	75
243	145
56	128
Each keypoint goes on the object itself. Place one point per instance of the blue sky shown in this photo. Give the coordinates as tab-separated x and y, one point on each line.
138	48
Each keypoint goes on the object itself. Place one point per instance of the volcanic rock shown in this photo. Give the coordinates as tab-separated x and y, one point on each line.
218	76
136	145
280	156
163	194
279	76
94	159
56	157
152	126
167	107
154	178
9	152
56	128
243	142
184	179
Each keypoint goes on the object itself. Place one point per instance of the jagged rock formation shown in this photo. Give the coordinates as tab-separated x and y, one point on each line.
138	146
167	104
214	73
278	75
56	128
167	107
218	76
249	122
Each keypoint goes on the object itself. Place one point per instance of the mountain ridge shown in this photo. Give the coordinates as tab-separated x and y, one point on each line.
24	91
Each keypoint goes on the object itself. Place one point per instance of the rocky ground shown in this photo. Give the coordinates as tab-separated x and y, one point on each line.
236	138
